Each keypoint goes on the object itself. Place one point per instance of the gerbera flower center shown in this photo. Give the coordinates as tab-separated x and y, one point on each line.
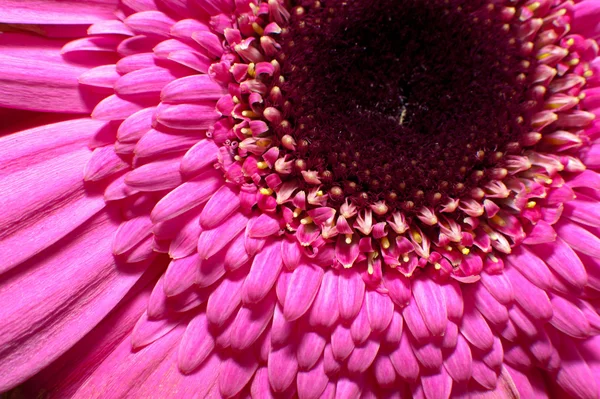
407	103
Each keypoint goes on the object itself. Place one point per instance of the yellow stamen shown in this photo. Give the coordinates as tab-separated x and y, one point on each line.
257	28
266	191
251	69
417	237
437	266
262	165
385	243
465	251
499	221
306	220
348	238
249	114
531	204
405	258
319	193
297	212
588	74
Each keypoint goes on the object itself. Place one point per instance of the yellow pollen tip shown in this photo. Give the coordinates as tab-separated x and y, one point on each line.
297	212
319	193
306	220
499	221
257	28
574	61
437	266
237	158
385	243
262	165
405	258
531	204
235	100
417	237
249	114
588	74
266	191
534	6
570	42
348	238
465	251
246	131
448	248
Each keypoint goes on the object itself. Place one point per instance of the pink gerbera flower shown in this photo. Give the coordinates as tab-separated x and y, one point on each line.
303	198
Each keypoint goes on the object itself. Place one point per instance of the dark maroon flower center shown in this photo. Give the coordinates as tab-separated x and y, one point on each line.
404	101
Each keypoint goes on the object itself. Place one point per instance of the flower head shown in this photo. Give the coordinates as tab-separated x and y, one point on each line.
305	198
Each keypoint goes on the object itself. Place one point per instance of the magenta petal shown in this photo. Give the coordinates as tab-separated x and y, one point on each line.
310	349
380	310
351	292
475	329
225	299
250	323
437	385
180	274
348	388
431	303
404	360
236	372
69	290
56	12
302	289
196	344
263	273
363	356
312	383
30	223
564	261
341	342
459	362
187	196
261	387
42	86
282	368
264	226
221	205
212	241
325	310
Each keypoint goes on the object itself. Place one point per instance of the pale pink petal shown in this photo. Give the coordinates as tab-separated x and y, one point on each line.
56	12
70	289
43	86
302	289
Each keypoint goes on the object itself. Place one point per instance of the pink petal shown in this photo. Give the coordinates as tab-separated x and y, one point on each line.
282	368
202	154
225	299
131	233
437	386
187	116
155	176
48	162
363	356
532	299
310	349
180	274
302	289
530	266
212	241
564	261
312	383
147	331
404	360
220	206
360	329
325	310
70	289
476	330
250	323
187	196
103	163
351	291
380	310
42	86
459	363
431	303
261	387
186	240
56	12
236	372
263	273
264	226
192	89
196	344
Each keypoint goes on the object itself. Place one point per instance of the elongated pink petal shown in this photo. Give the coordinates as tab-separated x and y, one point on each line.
282	367
155	176
147	331
221	205
249	323
43	86
186	196
191	89
212	241
431	303
201	155
302	289
236	372
43	203
325	309
351	292
404	360
180	274
312	383
310	349
264	272
363	356
69	290
196	344
56	12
